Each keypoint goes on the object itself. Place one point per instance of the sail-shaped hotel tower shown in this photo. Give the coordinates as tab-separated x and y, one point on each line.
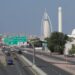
46	26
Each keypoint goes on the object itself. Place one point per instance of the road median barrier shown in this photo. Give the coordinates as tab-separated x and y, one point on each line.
32	67
2	58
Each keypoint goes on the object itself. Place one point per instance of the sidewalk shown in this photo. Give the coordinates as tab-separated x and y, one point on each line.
64	57
61	64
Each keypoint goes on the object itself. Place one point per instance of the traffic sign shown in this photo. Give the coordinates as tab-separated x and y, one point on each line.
14	40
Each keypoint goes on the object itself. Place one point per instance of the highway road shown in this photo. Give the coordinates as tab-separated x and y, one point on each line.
46	66
54	57
16	69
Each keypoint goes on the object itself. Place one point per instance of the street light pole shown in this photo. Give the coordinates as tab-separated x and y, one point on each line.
33	52
34	56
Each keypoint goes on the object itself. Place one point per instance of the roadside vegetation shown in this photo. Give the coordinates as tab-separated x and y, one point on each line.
72	50
56	42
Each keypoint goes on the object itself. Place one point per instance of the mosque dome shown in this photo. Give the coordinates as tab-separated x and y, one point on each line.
73	32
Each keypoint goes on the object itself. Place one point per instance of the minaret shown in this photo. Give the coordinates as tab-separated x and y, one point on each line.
59	19
46	25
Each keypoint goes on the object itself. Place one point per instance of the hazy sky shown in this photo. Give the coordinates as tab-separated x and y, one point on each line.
25	16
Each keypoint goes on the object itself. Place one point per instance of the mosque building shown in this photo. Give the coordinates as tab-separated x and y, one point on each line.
72	34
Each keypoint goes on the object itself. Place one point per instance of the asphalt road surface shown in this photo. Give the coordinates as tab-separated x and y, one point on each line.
46	66
16	69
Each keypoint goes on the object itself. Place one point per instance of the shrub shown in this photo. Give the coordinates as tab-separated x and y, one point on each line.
72	51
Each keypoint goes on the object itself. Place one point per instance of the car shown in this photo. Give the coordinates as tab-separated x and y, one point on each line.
10	62
8	54
19	52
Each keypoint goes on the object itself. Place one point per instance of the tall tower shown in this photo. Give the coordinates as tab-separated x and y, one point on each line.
59	19
46	25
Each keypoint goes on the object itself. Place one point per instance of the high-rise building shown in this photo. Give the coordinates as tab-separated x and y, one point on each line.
46	26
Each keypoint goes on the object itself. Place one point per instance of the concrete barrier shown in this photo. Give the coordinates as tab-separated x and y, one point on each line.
2	58
34	68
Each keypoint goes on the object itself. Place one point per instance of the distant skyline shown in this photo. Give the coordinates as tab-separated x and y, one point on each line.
24	16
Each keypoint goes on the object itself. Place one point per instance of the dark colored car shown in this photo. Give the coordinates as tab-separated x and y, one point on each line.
10	62
19	52
8	54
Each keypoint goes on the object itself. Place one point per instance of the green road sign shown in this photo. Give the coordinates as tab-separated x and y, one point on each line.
14	40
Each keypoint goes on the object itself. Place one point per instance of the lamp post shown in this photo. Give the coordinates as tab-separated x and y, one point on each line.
33	52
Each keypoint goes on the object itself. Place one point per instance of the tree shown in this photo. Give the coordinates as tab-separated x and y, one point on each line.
72	50
56	42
